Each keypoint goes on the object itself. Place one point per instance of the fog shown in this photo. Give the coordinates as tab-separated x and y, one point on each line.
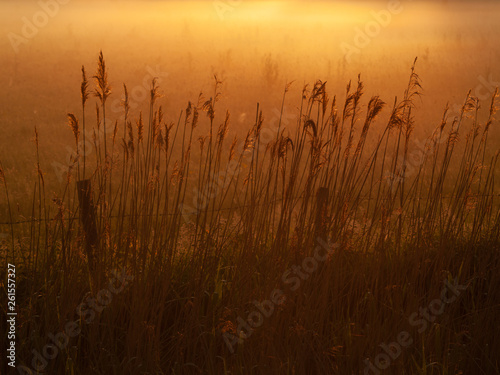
255	48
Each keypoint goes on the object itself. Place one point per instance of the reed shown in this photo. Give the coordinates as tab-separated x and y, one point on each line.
207	223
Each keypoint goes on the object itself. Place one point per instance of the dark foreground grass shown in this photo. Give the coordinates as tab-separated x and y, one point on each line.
306	252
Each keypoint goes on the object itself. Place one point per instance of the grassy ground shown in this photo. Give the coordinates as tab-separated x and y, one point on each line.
288	250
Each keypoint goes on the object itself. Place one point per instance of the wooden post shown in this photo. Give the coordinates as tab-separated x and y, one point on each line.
321	214
87	217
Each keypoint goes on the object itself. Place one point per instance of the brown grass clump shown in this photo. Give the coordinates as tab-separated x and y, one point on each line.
205	227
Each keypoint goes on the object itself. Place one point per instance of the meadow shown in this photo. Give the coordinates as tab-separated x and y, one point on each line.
325	245
234	195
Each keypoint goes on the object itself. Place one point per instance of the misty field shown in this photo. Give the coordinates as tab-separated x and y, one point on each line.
249	187
331	242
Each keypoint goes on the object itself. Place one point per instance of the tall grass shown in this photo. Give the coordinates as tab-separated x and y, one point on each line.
206	225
